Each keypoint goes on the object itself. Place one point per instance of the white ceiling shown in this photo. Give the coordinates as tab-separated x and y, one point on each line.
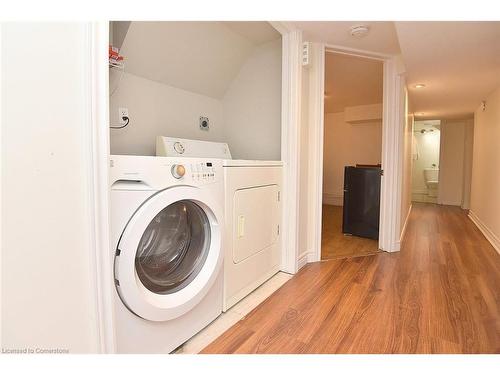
382	37
201	57
459	62
351	81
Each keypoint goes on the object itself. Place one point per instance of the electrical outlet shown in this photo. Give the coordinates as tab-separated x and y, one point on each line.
122	112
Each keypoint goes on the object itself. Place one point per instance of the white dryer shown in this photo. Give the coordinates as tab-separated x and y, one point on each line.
167	233
253	219
252	211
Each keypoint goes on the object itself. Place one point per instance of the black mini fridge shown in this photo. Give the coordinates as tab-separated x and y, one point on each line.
362	201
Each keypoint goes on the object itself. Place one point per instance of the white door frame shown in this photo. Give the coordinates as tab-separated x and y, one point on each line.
290	141
392	141
96	71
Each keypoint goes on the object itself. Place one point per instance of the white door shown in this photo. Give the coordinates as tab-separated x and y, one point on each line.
169	253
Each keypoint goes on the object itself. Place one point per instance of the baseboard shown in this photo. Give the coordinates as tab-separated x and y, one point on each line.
403	231
490	236
449	203
397	245
305	258
333	199
420	191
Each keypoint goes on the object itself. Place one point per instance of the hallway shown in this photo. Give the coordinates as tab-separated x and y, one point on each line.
440	294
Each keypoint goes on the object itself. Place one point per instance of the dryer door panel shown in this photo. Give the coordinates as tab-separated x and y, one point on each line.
255	220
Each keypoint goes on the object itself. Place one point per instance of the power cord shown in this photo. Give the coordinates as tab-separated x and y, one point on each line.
124	118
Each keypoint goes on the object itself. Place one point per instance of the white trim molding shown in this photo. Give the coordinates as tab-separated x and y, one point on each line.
392	143
305	258
392	158
405	225
333	199
486	231
290	147
98	154
316	133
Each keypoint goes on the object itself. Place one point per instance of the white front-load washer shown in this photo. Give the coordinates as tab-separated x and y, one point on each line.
167	230
252	212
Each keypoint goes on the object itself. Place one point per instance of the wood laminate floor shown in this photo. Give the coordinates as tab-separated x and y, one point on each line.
336	245
439	294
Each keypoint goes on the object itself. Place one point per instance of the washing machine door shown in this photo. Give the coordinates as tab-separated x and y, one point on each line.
169	254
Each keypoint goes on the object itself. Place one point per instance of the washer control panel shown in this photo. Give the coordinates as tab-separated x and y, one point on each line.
202	171
196	171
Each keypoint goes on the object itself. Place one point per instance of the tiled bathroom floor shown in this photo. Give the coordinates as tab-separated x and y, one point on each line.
233	315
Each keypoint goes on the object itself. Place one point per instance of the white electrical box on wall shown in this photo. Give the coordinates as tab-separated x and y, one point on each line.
306	46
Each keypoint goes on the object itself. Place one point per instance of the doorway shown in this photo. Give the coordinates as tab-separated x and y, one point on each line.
442	161
425	155
352	155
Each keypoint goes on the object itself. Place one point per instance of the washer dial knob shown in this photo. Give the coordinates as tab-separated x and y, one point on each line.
178	171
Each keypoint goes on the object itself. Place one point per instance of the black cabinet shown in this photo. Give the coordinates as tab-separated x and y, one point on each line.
361	215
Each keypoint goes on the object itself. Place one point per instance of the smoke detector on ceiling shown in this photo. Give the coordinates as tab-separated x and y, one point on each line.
359	31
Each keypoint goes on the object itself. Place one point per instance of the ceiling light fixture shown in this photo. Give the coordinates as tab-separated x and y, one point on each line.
419	86
359	31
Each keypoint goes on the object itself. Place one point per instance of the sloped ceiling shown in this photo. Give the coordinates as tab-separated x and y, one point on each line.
255	31
118	32
351	81
201	57
382	37
459	62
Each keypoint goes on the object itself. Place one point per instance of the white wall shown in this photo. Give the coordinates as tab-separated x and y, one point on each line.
157	109
485	196
451	163
252	106
248	117
347	144
48	300
468	154
427	153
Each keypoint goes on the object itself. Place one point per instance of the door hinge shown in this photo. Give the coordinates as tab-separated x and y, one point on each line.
279	196
278	230
381	172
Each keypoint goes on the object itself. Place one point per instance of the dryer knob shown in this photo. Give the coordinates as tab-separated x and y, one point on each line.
178	170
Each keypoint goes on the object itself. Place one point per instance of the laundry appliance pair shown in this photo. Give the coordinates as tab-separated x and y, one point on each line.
193	232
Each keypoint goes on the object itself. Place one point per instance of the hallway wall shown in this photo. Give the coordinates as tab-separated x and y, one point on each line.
452	161
485	197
